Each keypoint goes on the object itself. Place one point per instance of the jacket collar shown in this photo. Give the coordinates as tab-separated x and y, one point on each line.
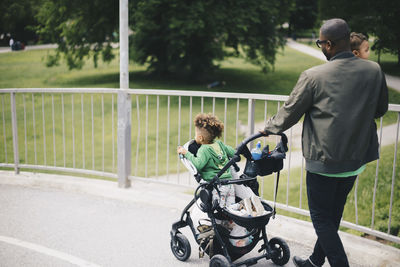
344	54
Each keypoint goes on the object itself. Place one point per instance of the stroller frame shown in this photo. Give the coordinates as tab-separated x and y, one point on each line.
275	249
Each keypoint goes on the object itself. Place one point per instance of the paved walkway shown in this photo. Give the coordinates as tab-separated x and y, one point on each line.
28	47
392	81
52	220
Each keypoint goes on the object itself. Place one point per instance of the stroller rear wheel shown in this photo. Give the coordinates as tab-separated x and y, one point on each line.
180	247
219	261
280	250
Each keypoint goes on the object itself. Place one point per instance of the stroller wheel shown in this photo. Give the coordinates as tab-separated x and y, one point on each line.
280	251
219	261
180	247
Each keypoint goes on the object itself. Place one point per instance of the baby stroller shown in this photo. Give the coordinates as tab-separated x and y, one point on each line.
221	251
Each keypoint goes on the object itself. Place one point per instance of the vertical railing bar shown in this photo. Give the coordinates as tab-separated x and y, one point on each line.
138	135
276	177
237	121
44	132
34	127
394	173
301	182
190	117
63	125
355	200
265	122
25	131
112	133
54	130
91	103
14	132
289	162
376	174
157	128
83	131
202	104
73	130
213	106
146	134
265	118
102	119
190	129
179	133
250	119
4	130
168	110
225	112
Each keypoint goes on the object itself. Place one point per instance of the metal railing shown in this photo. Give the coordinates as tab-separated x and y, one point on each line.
92	131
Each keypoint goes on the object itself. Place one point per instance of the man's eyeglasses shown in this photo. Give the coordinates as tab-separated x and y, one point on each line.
319	42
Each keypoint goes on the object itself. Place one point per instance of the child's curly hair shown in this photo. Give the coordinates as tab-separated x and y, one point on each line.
210	125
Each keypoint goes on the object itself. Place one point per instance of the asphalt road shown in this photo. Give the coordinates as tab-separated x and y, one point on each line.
50	227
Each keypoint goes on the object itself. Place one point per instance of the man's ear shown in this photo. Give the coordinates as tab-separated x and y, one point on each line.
329	45
356	53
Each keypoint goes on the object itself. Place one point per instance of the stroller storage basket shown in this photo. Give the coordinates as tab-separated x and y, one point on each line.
250	222
270	161
263	166
234	251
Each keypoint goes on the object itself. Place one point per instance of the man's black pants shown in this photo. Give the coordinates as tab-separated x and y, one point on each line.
326	199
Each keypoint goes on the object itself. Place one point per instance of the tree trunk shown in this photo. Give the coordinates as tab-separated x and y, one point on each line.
379	56
398	56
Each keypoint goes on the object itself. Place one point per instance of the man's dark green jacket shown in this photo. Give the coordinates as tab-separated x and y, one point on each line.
340	100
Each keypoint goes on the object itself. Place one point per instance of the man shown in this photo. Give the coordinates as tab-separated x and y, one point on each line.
340	100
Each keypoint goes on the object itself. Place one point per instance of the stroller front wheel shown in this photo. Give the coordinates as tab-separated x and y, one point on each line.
180	247
280	250
219	261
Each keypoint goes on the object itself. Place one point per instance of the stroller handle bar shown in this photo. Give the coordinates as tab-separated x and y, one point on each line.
240	147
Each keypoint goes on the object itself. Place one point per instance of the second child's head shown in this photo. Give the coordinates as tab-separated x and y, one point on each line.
359	45
207	127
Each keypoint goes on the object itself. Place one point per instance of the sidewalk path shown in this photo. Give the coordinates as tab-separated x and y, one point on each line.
87	222
28	47
392	81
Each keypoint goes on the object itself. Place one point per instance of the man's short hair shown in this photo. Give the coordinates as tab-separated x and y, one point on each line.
336	30
356	40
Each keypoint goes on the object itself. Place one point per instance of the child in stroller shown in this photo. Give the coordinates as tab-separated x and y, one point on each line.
214	238
212	156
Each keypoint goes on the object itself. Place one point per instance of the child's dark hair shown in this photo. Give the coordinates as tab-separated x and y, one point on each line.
356	40
211	124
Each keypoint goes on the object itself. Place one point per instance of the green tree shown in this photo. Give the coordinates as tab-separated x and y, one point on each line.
180	35
17	19
168	35
80	28
386	25
303	15
377	18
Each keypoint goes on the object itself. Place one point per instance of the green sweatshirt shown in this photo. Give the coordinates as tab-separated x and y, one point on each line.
211	158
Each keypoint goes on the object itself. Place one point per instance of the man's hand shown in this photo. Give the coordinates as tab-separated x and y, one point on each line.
263	132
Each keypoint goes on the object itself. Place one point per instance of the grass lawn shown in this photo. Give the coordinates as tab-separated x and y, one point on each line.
26	69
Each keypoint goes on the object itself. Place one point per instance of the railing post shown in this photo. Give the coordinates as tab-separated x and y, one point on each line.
124	138
14	132
250	119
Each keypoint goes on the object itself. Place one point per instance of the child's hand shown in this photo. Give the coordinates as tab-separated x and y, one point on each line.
181	150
